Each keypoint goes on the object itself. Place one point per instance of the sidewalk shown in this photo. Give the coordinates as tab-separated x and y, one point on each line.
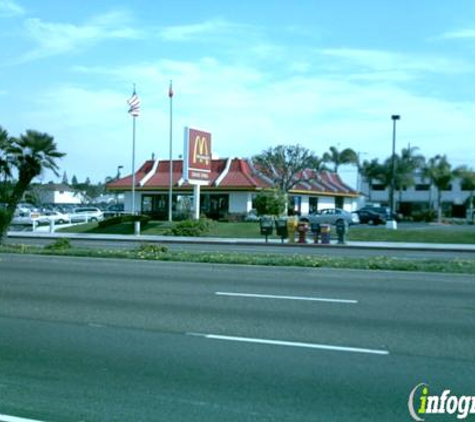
235	241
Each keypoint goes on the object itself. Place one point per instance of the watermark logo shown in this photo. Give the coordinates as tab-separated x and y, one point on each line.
421	403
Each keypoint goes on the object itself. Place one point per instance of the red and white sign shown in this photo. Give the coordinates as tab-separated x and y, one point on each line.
197	156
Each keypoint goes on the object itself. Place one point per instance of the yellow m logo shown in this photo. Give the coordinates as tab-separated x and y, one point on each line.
201	152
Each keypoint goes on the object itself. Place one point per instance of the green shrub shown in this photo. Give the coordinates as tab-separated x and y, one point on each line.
270	202
151	249
61	244
192	228
425	216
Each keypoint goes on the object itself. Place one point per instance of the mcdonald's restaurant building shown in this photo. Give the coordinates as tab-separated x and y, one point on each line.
233	184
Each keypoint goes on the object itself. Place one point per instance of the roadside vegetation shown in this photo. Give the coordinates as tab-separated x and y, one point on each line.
158	252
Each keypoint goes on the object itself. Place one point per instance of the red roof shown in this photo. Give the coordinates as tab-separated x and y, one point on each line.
232	174
240	175
126	182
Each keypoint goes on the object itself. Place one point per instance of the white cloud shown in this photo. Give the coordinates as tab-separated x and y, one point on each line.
401	65
192	31
459	34
57	38
9	8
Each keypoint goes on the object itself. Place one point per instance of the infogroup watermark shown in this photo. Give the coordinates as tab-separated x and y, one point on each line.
421	403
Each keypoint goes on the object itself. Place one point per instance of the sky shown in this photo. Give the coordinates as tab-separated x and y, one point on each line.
256	74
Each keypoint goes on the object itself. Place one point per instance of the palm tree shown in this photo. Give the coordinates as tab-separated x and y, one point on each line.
30	154
370	170
467	180
439	172
406	166
338	158
318	164
5	169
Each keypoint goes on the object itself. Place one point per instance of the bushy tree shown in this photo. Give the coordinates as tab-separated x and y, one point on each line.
283	165
270	202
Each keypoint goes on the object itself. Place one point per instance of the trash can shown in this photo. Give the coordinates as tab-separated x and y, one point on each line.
316	230
341	231
325	231
302	229
281	228
267	226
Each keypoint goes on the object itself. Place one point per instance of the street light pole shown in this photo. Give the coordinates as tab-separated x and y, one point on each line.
394	118
119	168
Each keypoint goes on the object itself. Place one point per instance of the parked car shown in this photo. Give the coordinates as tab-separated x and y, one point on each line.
56	216
252	216
371	217
113	210
331	216
86	214
23	217
385	212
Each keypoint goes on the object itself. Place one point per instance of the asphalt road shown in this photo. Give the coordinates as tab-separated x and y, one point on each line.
323	250
112	340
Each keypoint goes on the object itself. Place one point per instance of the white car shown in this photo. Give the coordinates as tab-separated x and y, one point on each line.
25	217
55	216
331	216
86	215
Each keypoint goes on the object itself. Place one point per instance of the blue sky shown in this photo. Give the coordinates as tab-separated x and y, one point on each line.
253	73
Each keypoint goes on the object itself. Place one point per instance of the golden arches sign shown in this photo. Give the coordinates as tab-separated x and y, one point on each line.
201	151
197	159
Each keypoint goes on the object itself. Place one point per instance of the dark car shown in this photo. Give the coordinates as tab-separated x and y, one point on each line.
385	212
371	217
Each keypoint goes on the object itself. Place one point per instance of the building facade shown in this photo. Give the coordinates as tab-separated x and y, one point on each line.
57	194
420	197
233	185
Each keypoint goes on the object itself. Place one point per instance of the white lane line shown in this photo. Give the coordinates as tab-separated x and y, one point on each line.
6	418
263	296
292	344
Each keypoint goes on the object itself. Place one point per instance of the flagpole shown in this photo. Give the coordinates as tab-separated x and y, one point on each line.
134	104
170	181
133	165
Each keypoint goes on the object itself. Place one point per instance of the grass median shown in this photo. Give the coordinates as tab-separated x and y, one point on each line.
156	252
443	234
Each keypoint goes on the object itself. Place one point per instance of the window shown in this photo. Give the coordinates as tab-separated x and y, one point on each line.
377	186
146	203
339	201
448	187
313	204
295	203
422	187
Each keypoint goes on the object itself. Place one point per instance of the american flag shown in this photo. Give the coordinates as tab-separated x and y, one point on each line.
134	104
